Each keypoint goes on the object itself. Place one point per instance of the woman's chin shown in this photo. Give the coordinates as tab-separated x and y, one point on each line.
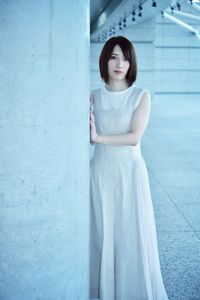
118	77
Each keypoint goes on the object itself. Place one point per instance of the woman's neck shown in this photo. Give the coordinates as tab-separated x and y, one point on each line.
117	86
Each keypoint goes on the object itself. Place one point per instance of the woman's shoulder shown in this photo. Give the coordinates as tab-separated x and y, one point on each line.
95	92
143	93
94	96
140	89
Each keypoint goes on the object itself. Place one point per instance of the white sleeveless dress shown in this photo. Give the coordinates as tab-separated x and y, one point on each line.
124	258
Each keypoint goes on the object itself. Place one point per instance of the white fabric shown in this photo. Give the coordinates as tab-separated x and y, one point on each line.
123	247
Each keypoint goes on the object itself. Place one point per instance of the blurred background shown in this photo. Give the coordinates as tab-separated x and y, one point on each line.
49	53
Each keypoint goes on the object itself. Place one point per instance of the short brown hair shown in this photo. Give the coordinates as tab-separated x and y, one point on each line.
129	53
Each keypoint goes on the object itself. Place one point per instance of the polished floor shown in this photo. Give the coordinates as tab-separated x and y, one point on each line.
171	148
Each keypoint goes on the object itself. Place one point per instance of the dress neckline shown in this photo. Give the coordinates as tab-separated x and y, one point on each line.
119	92
111	98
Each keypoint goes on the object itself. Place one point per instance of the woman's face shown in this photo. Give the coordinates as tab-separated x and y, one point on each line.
118	65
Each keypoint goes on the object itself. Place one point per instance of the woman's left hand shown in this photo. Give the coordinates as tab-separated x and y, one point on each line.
93	132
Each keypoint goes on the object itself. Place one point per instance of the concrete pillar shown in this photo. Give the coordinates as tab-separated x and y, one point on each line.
44	152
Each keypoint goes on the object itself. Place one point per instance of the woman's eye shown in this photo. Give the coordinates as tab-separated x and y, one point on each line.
114	57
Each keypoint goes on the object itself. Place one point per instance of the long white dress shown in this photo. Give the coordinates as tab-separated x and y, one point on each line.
124	258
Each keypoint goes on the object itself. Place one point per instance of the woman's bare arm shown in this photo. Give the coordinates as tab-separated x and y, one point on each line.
138	126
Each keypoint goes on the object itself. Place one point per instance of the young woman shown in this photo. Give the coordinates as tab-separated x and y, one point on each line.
124	253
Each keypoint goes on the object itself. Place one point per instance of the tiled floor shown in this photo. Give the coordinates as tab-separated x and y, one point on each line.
171	149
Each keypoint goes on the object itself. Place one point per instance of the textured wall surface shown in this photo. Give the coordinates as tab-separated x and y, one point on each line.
44	155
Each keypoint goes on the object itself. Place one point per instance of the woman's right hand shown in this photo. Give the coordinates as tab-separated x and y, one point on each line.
91	112
93	132
91	103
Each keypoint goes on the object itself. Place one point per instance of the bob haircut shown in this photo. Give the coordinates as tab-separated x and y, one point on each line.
129	53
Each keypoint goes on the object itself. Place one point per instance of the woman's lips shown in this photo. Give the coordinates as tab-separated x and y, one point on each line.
118	72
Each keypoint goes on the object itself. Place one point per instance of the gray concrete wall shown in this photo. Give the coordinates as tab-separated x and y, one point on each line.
44	154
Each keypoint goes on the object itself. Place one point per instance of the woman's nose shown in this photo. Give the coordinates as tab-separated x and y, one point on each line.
120	62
